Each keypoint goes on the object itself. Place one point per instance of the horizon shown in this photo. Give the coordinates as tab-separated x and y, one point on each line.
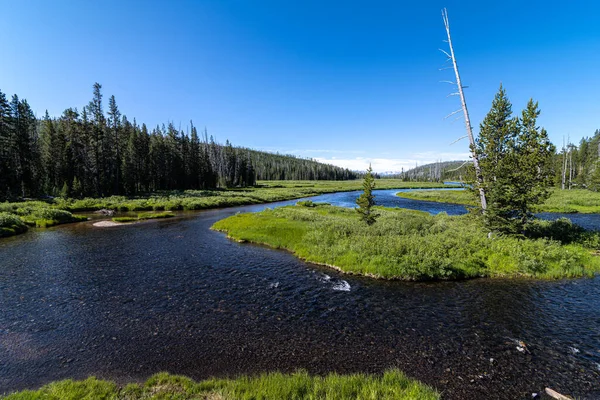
346	86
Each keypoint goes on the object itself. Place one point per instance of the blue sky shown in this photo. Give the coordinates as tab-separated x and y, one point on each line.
345	82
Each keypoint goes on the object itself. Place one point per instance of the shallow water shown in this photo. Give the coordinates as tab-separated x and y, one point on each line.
123	303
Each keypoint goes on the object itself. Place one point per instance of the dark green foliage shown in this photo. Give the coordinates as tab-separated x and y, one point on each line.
515	157
562	230
366	200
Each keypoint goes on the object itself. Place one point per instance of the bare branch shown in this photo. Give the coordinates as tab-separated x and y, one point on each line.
459	139
453	94
450	82
445	68
462	165
446	53
452	113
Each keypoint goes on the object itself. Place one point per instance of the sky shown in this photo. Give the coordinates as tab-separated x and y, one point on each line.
348	83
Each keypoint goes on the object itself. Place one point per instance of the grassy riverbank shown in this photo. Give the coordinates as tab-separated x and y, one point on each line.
391	385
413	245
56	211
560	201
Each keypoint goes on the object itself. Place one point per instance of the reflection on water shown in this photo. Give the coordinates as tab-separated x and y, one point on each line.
123	303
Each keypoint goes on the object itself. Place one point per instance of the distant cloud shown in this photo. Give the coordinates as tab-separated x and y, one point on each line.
392	164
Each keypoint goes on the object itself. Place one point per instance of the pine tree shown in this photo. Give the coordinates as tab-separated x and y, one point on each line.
366	200
516	164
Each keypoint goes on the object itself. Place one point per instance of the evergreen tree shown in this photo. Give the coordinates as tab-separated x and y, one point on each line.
366	200
516	164
114	150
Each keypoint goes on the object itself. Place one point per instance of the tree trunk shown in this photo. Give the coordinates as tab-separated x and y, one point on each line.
479	176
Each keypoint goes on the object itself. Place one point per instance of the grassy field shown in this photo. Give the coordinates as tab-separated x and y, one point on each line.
393	384
413	245
560	201
57	211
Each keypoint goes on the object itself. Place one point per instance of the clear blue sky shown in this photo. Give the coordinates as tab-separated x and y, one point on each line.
346	82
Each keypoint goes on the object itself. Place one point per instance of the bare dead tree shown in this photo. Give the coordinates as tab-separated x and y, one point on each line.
474	156
564	165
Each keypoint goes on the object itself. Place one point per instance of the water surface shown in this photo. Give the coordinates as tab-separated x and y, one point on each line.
171	295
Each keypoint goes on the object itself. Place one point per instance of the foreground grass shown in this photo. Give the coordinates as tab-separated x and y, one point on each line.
57	211
560	201
413	245
393	384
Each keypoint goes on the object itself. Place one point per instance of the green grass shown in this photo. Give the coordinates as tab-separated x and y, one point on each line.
155	215
58	211
413	245
393	384
11	224
560	201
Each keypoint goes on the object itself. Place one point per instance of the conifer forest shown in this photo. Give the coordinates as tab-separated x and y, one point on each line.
93	153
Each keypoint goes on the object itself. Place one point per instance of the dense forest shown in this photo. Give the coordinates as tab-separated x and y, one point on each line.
93	153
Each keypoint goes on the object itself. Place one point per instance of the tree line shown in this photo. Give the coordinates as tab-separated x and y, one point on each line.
579	166
93	153
271	166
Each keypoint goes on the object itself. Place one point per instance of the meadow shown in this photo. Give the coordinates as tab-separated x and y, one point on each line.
413	245
37	213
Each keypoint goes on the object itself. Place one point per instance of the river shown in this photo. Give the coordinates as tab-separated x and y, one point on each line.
170	295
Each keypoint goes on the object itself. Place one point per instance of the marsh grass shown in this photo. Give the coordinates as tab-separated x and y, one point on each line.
412	245
54	211
393	384
143	216
560	201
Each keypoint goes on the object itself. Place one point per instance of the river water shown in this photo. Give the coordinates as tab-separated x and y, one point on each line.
123	303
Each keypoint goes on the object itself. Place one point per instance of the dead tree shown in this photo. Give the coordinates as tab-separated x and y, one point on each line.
474	156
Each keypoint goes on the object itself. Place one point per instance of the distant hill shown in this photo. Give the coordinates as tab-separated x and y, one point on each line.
271	166
434	172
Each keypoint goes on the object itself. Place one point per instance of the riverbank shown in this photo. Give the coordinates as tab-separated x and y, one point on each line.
560	201
393	384
58	211
413	245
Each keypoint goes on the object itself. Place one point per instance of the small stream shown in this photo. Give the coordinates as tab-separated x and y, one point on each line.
123	303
